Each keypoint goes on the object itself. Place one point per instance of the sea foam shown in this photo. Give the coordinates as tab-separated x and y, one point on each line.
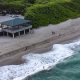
36	62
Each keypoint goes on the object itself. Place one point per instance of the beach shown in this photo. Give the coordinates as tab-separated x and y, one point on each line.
11	50
45	48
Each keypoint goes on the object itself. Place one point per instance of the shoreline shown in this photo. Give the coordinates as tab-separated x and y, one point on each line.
39	42
44	46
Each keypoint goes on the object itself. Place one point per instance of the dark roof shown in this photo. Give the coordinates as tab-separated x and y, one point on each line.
15	22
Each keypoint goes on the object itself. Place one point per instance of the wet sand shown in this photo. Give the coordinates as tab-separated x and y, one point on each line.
41	41
17	59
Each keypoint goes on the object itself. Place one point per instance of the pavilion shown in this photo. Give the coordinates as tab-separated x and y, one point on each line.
16	27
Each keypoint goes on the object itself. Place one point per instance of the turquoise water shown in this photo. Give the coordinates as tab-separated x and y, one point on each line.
62	62
69	69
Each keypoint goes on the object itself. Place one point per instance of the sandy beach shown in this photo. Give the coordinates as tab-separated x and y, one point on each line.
11	50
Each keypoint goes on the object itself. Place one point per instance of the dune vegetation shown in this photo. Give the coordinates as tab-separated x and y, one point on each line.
44	12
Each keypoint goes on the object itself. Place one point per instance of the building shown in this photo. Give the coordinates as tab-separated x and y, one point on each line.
16	27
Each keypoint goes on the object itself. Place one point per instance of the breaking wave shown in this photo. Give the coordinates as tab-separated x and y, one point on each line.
37	62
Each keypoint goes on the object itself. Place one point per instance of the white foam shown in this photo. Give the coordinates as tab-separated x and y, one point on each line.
73	45
35	63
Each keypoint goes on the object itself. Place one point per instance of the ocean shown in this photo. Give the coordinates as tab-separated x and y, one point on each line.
69	69
62	62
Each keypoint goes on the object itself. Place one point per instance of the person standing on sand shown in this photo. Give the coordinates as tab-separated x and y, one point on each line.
53	32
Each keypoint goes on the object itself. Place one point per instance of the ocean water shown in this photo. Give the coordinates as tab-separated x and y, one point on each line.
62	62
69	69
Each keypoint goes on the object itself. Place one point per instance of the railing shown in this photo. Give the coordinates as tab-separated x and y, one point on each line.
14	30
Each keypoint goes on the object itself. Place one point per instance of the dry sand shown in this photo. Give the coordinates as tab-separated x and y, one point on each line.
41	40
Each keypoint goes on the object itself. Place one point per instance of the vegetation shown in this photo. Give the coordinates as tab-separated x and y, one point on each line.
52	11
12	6
44	12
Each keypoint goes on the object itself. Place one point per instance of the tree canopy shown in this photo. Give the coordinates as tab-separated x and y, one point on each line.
43	12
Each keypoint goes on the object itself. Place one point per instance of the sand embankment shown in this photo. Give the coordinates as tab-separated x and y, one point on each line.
42	39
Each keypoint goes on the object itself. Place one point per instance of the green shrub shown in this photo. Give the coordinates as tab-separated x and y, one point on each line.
52	13
43	12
